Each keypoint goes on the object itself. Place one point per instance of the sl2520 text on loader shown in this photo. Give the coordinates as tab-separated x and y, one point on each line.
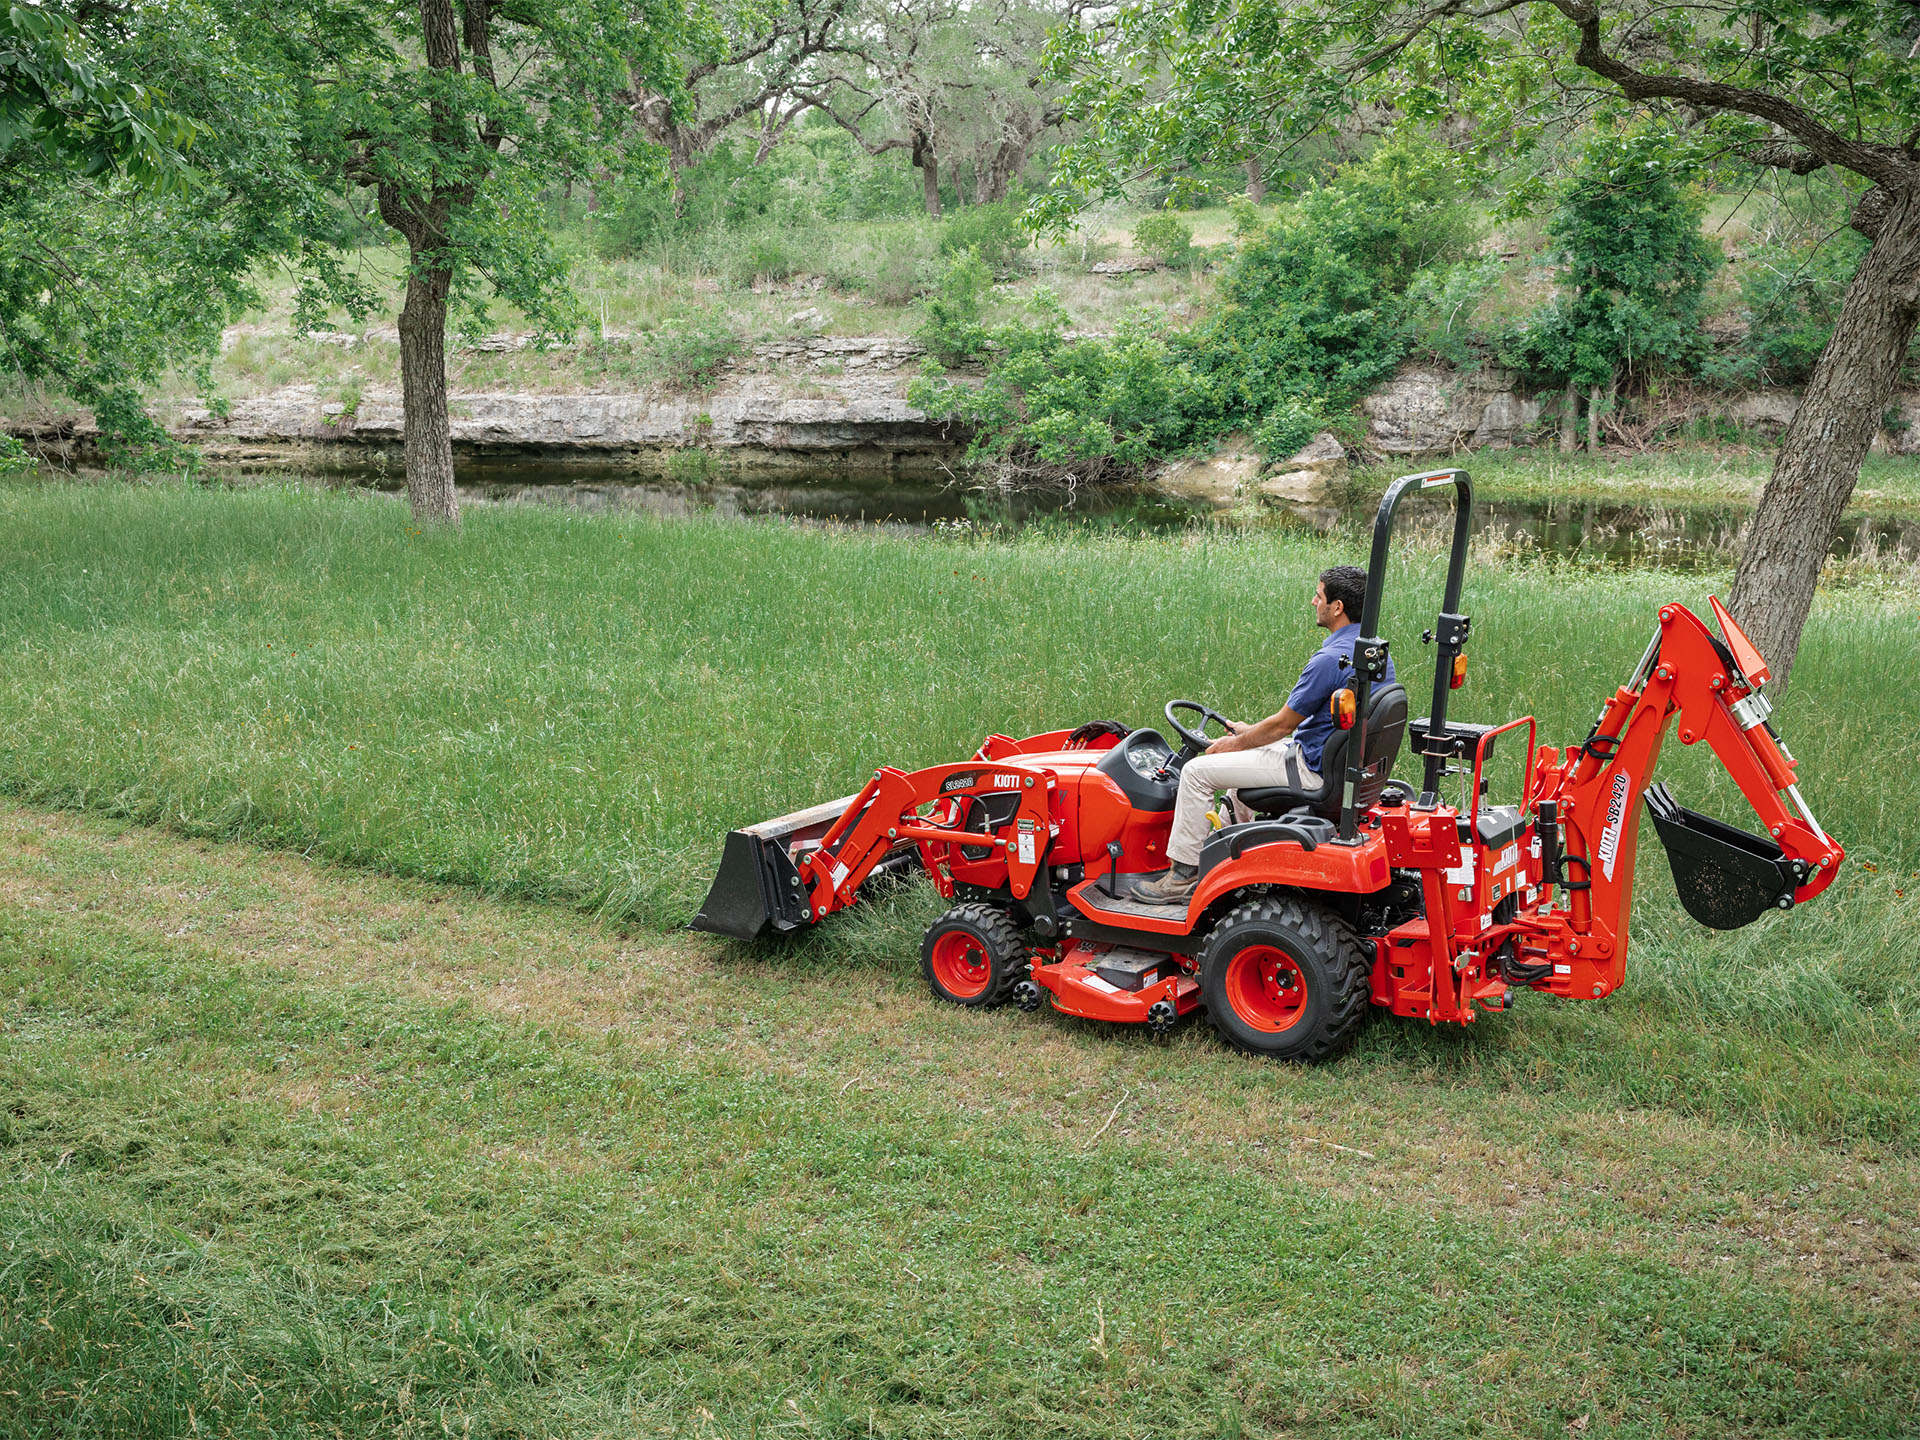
1342	894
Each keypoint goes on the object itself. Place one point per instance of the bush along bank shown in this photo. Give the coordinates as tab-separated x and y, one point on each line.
1313	310
1382	266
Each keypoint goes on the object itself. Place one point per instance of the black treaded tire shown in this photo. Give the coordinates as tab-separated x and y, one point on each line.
1286	978
973	955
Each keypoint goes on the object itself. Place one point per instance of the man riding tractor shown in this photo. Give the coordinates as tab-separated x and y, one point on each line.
1283	749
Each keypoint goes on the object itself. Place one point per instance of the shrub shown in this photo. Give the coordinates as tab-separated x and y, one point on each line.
1247	219
1628	237
1090	407
15	459
892	266
767	255
1441	303
1167	239
991	231
952	330
1790	297
1313	310
687	350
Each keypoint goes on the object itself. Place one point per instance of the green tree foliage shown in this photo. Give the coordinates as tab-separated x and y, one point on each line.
1312	312
1790	298
61	96
456	118
817	173
1168	239
1635	267
118	259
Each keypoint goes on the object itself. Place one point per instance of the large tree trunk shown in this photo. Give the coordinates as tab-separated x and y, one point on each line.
929	163
1819	460
930	182
423	389
1256	181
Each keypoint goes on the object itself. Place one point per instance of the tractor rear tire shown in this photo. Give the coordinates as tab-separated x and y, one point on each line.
1285	978
973	955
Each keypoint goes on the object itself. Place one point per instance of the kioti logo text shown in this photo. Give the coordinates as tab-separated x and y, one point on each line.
1616	812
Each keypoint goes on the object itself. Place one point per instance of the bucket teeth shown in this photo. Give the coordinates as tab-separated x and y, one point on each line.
1726	877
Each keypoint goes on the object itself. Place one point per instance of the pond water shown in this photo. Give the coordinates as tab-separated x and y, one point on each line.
1676	537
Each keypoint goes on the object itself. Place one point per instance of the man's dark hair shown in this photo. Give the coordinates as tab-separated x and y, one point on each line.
1348	585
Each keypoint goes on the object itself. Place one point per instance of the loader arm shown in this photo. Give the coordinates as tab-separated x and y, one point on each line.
1595	792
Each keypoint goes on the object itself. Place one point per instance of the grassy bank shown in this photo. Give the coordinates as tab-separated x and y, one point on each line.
295	1151
576	710
1680	475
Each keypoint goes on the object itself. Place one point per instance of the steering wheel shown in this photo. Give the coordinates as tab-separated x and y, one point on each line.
1194	741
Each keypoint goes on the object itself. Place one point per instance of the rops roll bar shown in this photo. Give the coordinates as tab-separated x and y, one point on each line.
1370	651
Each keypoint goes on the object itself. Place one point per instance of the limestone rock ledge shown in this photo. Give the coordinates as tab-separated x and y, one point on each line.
1429	410
862	423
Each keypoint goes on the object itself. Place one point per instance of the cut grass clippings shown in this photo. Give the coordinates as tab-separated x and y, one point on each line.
293	1151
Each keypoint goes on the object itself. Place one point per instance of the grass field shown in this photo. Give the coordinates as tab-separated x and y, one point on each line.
1691	475
295	1151
291	1147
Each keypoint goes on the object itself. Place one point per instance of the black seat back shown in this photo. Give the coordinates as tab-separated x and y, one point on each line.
1386	730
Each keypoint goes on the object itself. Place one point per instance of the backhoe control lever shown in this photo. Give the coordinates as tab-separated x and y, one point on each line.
1548	831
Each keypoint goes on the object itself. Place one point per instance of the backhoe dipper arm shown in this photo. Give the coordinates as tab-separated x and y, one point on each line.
1686	672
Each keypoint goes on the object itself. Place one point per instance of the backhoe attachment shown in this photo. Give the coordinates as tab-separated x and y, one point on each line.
1726	877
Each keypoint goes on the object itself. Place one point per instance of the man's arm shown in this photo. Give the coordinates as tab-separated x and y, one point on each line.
1276	726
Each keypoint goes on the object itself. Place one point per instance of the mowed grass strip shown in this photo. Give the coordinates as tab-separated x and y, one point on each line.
288	1150
577	709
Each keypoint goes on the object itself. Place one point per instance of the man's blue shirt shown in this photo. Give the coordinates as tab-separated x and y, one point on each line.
1311	693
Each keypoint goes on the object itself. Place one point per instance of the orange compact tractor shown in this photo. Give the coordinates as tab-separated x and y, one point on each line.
1346	892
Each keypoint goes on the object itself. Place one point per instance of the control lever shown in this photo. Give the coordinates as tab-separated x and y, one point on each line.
1547	829
1113	868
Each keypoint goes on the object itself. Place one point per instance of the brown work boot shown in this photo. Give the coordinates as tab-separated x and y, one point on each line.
1174	886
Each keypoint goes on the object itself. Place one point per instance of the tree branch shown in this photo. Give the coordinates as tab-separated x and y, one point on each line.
1882	164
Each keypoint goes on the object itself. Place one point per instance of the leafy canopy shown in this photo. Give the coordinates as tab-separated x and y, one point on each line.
1634	267
1165	86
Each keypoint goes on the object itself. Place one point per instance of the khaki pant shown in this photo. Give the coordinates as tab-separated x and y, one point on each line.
1204	774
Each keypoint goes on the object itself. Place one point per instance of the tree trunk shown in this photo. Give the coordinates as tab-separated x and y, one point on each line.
1819	460
423	388
1593	421
1569	419
929	163
1256	181
930	182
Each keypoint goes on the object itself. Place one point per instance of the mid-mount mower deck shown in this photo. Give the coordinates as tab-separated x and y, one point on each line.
1354	892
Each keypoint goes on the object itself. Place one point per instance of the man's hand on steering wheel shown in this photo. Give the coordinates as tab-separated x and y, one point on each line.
1234	728
1198	742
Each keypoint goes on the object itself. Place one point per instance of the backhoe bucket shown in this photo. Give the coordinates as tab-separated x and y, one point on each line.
1726	877
758	887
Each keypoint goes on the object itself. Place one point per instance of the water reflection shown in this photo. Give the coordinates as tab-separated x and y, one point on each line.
1675	537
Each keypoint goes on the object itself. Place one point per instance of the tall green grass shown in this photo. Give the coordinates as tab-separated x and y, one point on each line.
578	709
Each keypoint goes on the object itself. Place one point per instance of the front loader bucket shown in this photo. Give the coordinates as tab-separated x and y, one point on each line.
758	887
1726	877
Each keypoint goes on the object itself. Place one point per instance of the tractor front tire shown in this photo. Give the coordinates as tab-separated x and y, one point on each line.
973	955
1285	978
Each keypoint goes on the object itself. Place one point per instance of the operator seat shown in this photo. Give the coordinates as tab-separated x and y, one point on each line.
1386	729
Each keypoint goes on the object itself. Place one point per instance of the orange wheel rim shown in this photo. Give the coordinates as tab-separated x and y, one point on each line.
961	964
1266	989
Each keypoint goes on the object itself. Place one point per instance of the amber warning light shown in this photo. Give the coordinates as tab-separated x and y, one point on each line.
1343	709
1459	676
